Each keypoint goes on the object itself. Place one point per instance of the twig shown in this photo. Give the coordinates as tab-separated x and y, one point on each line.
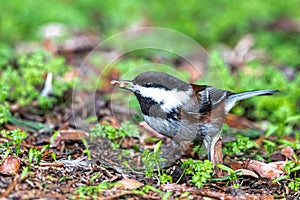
52	164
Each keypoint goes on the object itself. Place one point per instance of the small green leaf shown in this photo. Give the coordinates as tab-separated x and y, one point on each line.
225	168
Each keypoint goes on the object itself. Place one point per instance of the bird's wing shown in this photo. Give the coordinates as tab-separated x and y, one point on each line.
209	97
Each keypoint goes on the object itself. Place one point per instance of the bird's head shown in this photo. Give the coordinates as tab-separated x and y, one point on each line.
157	88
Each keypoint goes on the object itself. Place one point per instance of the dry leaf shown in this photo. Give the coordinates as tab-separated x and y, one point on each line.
235	165
263	169
246	172
10	165
288	152
278	165
128	184
238	122
73	134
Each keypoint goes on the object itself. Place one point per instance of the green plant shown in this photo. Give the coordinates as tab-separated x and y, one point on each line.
292	172
25	84
295	145
283	127
201	171
16	136
4	114
125	152
86	150
34	155
93	191
116	135
4	111
94	177
233	176
153	160
269	147
241	144
148	188
24	173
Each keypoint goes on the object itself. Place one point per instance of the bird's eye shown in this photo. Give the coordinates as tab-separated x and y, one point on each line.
149	84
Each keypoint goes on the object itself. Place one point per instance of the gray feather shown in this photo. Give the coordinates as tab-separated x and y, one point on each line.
234	97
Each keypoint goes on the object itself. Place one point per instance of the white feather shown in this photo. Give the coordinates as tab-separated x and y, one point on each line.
169	99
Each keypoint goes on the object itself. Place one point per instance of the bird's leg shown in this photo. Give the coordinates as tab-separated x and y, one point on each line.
215	154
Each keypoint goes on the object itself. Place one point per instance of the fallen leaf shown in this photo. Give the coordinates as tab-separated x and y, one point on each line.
246	172
263	169
288	152
235	165
73	134
128	184
238	122
10	165
278	157
278	165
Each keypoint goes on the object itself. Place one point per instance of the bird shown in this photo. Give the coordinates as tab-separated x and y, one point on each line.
182	111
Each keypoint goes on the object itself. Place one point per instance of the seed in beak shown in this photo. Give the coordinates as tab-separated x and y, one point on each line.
115	82
122	84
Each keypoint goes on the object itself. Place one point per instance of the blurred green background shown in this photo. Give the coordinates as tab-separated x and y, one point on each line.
208	22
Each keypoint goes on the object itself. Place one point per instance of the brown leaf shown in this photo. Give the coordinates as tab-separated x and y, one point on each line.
260	140
278	157
288	152
127	143
278	165
73	134
235	165
246	172
128	184
10	165
238	122
263	169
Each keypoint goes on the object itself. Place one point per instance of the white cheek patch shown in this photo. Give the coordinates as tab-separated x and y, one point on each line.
168	99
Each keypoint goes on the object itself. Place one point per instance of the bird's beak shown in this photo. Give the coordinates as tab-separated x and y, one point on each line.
127	85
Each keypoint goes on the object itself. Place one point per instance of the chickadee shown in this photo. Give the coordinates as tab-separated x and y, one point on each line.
183	111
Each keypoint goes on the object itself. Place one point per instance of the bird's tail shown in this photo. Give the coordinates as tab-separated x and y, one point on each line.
249	94
234	97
